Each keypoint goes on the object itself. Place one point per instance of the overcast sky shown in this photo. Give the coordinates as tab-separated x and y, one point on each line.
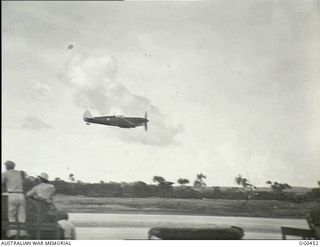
229	86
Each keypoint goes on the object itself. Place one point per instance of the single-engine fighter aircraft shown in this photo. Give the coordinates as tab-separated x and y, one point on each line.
120	121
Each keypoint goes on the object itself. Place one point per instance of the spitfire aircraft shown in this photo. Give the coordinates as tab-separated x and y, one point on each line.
120	121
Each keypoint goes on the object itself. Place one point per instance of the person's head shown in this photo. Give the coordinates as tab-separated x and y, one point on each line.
10	165
44	178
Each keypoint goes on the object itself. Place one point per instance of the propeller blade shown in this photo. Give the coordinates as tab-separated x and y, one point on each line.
146	126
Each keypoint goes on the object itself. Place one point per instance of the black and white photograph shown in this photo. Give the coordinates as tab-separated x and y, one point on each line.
160	120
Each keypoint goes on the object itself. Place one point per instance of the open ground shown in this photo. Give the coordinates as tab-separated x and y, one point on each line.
210	207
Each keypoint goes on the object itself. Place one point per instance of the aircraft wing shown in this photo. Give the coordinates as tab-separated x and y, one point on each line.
128	122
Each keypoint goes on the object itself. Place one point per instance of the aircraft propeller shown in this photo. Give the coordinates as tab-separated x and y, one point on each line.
146	123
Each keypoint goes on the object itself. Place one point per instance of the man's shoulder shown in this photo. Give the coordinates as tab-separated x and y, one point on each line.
4	176
9	172
15	171
51	186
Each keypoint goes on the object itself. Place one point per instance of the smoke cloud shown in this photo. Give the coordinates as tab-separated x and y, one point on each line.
33	123
38	89
94	85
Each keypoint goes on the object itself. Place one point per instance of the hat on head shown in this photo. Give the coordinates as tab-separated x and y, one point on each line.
9	164
44	176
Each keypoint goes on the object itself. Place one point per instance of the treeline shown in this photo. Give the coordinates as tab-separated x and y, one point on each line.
142	190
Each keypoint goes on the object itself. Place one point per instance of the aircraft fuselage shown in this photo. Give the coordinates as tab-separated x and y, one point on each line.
122	122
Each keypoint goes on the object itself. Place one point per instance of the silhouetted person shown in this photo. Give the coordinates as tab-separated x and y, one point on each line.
43	193
313	218
13	181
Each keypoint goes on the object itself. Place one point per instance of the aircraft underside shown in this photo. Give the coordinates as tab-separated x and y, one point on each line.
116	125
121	122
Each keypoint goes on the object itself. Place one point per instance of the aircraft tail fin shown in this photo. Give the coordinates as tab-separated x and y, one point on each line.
146	123
87	114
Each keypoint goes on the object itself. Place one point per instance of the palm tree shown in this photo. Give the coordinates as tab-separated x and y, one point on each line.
159	180
238	180
278	187
183	181
71	177
243	181
199	181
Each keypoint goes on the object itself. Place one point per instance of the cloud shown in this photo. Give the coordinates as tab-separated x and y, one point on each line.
94	85
33	123
38	89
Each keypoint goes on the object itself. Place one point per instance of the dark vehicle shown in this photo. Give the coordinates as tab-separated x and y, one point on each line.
185	233
119	121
